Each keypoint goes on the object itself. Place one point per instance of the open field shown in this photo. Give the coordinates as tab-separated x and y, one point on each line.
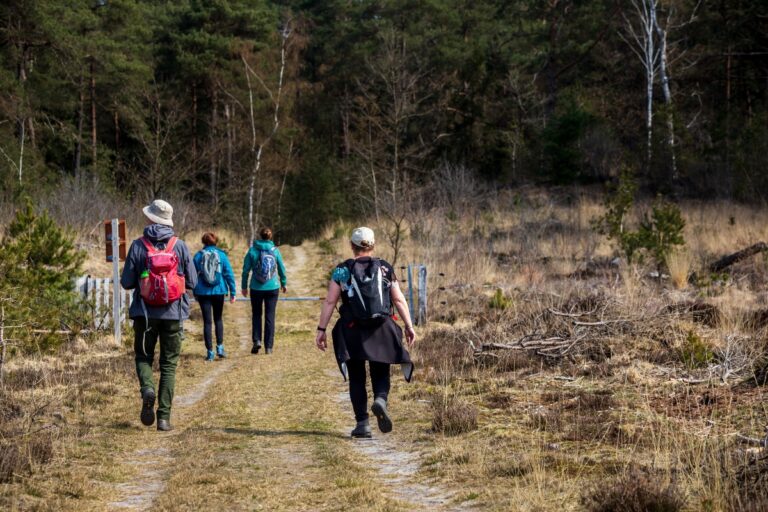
549	378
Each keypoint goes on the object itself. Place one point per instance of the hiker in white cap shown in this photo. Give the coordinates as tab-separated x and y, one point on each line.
366	329
159	270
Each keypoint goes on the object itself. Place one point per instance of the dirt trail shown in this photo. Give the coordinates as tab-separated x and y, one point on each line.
271	432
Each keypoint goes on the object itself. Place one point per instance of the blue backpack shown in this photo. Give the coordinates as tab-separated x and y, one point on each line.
266	265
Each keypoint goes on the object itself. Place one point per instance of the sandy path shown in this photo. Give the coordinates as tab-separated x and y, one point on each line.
274	431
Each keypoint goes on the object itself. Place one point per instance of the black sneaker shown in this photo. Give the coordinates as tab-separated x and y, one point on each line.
164	425
148	407
379	409
255	349
362	430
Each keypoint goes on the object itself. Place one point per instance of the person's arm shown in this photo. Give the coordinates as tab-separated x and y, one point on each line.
229	275
331	298
246	271
398	300
190	272
130	276
281	271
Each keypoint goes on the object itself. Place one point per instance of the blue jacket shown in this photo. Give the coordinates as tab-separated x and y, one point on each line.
225	277
252	259
135	264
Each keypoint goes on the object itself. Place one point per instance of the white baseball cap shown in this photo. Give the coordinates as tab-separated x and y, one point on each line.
363	237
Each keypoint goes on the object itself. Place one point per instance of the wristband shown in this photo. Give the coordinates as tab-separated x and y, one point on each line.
321	329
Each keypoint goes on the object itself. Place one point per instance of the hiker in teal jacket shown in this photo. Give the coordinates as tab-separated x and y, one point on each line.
265	264
213	285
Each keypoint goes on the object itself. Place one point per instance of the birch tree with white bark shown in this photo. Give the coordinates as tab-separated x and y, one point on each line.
640	33
258	145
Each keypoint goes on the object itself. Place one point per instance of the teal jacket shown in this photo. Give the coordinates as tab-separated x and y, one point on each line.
252	259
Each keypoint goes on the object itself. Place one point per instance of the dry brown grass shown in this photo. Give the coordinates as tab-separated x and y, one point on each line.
652	387
619	398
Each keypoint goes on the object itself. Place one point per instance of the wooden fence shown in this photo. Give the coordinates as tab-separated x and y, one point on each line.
98	294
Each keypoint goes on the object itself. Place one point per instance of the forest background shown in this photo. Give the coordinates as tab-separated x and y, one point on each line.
299	113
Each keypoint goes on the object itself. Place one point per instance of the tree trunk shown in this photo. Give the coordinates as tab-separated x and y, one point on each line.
228	118
664	76
93	114
80	122
213	167
194	123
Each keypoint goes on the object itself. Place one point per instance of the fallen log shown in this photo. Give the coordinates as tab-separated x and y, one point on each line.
729	260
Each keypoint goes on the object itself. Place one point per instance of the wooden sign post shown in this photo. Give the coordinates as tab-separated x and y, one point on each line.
114	231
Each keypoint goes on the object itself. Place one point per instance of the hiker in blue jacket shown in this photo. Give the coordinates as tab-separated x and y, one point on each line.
158	318
215	280
264	261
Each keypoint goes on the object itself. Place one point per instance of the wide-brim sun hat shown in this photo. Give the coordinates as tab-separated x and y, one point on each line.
363	237
159	212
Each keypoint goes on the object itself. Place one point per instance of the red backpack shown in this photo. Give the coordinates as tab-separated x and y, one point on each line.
161	283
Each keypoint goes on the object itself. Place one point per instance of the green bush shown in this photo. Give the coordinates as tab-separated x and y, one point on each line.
38	263
695	353
657	233
500	301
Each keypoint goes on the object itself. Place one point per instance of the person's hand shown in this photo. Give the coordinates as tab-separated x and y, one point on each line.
321	340
232	299
245	293
285	290
410	335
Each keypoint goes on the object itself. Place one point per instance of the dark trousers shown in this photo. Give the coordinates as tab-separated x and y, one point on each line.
170	334
268	301
212	307
358	394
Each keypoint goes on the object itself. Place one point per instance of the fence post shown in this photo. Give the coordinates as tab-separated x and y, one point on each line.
422	316
107	307
117	317
410	290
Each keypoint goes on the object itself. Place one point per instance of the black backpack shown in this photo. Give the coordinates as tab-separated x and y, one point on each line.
367	291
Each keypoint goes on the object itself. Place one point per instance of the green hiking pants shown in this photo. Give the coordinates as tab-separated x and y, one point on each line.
170	334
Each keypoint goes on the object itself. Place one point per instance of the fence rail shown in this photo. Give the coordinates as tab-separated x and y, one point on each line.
98	292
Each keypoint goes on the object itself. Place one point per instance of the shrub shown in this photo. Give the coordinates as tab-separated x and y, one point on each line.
453	416
500	301
635	492
695	353
657	233
38	262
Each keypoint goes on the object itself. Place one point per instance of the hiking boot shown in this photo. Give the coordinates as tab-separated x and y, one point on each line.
164	425
362	430
147	407
220	351
255	349
379	409
267	350
209	356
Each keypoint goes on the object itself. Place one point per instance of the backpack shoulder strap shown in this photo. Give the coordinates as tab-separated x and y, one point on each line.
147	244
171	244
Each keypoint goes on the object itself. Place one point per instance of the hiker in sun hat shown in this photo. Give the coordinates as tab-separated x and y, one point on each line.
215	279
366	329
159	270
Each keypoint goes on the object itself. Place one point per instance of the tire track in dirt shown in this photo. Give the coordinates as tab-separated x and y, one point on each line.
154	463
398	469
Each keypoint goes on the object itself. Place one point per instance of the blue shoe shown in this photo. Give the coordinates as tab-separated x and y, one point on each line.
210	356
220	351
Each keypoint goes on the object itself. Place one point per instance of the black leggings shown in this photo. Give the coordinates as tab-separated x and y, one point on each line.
269	300
357	391
212	307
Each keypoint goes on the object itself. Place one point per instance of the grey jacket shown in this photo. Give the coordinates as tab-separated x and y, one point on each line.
135	264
